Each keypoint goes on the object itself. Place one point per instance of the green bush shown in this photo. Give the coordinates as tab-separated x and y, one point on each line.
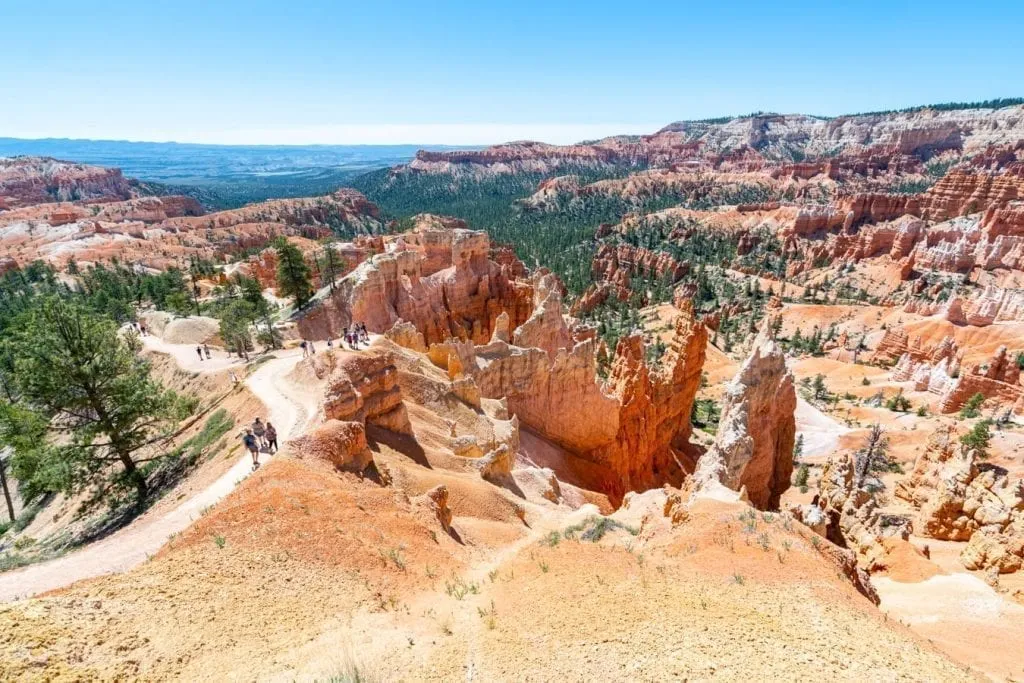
973	406
978	438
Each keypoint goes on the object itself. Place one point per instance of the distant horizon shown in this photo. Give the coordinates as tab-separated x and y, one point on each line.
480	135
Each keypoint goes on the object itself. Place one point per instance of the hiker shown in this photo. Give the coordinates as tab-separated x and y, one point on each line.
199	352
312	349
206	350
250	443
330	344
234	377
142	329
259	431
305	349
271	436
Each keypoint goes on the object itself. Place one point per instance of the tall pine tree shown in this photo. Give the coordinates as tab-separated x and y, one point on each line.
293	275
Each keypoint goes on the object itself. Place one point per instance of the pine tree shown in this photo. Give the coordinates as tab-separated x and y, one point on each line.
235	320
874	457
86	384
331	265
253	294
293	276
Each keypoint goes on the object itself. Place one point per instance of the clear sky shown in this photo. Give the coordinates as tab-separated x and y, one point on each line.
474	72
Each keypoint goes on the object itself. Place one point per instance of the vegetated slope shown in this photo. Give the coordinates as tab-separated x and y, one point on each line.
59	212
792	198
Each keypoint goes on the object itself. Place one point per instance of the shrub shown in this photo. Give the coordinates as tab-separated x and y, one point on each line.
978	438
801	476
972	408
898	403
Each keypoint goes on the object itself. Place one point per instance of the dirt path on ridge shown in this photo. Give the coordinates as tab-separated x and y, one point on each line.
290	411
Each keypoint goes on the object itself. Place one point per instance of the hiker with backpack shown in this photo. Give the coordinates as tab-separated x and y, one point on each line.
250	444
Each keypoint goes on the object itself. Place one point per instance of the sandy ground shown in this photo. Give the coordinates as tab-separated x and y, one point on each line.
821	432
288	409
965	617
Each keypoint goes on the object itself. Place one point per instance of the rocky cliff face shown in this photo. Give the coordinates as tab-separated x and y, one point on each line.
156	232
998	380
438	278
614	266
37	180
754	446
853	517
867	144
362	388
959	499
628	433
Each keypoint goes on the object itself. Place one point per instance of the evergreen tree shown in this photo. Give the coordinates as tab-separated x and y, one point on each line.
235	321
819	388
253	294
77	376
978	438
874	457
331	265
293	276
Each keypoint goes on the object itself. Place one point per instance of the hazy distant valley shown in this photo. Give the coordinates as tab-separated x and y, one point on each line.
224	176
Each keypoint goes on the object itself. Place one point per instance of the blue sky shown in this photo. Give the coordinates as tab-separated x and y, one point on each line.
252	71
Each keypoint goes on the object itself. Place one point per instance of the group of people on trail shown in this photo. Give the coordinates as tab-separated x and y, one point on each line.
140	328
200	350
351	338
260	436
356	335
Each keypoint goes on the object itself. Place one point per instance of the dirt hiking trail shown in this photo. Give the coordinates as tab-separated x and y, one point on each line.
288	409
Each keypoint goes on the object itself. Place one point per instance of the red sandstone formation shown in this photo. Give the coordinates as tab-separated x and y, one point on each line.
362	388
158	232
997	380
629	433
617	264
36	180
343	444
869	144
437	277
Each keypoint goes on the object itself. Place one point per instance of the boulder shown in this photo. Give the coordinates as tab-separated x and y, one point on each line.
364	388
1003	553
407	336
496	466
435	501
194	329
343	444
956	496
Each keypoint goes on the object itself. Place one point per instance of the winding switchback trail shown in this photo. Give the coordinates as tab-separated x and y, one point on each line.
288	409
